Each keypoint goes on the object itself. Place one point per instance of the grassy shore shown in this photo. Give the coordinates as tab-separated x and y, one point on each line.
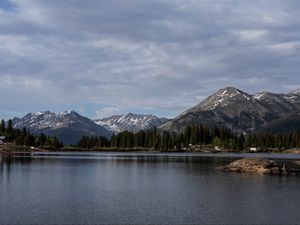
7	148
292	150
12	148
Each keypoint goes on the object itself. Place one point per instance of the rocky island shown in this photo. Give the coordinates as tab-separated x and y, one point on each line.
260	166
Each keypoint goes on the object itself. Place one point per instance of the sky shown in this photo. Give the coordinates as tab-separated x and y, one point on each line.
105	57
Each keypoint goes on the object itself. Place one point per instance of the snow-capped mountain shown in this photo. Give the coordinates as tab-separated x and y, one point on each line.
228	107
223	98
130	122
295	92
68	126
238	110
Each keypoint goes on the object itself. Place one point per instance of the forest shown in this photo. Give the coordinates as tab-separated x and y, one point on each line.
23	137
194	136
199	136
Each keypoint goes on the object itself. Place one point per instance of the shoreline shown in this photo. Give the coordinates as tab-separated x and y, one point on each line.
11	148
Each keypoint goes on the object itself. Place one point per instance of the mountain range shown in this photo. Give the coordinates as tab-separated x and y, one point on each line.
228	107
240	111
130	122
69	126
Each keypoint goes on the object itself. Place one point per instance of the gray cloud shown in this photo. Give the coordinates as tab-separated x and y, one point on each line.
160	55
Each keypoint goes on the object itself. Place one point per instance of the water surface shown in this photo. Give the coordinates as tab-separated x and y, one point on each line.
142	188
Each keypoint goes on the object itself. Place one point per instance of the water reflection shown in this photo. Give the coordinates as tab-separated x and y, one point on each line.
139	188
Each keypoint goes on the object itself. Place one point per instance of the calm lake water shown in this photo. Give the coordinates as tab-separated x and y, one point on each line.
142	188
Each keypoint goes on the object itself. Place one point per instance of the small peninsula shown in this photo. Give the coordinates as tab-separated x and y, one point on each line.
260	166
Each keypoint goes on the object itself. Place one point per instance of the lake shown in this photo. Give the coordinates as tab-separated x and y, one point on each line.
142	188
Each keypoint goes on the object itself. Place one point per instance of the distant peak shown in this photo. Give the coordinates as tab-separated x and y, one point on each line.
231	89
131	122
224	97
39	113
264	94
295	92
67	112
135	115
128	114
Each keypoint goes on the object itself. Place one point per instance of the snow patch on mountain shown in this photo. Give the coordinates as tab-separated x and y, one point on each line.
259	96
295	92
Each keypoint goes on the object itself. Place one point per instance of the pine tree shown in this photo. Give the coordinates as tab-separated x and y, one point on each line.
9	128
2	126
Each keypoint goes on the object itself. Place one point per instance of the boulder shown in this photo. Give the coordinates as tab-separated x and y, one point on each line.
253	165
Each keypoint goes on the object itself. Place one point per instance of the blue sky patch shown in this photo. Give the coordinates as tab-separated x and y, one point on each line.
7	5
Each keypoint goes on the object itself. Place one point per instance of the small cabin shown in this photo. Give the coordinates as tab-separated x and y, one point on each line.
253	149
2	139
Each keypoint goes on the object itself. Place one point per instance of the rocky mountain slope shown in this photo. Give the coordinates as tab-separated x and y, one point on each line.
228	107
240	111
67	126
130	122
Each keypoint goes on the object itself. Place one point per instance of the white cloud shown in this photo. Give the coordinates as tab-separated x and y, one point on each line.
251	35
108	111
162	55
286	47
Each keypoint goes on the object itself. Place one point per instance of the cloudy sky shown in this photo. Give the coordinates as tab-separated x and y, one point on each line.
103	57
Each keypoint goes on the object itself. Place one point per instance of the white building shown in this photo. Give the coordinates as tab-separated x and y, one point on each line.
252	149
2	138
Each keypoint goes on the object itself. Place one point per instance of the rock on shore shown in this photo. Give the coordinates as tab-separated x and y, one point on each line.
254	165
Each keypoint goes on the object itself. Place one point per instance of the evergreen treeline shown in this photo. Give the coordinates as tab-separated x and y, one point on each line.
191	136
23	137
268	140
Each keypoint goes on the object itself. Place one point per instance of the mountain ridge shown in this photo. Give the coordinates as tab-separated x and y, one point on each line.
228	107
68	126
237	110
130	122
